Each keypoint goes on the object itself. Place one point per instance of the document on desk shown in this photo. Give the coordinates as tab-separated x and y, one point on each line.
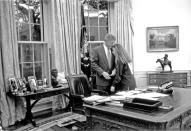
141	94
128	93
94	98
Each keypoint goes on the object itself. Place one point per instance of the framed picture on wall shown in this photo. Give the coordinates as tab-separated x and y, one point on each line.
162	39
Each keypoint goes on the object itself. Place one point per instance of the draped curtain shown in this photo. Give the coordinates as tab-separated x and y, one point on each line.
12	109
120	24
65	40
66	34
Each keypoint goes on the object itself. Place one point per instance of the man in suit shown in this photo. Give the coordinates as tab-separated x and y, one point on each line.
102	62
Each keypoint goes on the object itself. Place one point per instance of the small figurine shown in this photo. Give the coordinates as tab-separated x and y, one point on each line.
164	61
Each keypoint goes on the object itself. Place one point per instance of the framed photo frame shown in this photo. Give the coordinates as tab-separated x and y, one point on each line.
13	84
32	83
21	83
162	39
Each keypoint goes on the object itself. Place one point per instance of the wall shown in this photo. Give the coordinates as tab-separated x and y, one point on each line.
151	13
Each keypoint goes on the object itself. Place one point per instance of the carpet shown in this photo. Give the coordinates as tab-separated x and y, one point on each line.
53	123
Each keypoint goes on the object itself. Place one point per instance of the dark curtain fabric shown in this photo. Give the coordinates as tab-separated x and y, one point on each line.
12	109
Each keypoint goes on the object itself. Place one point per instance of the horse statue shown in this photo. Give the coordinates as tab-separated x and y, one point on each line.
165	62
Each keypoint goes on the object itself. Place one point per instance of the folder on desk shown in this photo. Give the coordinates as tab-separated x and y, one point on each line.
142	104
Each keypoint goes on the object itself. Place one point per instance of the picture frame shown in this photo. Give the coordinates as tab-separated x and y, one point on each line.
13	84
21	83
32	83
162	39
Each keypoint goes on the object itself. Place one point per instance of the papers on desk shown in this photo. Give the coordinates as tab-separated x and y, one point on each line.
128	93
150	95
141	94
102	99
94	98
124	95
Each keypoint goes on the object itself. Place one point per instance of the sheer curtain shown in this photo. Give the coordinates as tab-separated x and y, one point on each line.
65	43
66	33
120	24
12	109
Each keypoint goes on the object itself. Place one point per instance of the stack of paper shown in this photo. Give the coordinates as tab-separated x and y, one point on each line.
94	98
141	94
150	95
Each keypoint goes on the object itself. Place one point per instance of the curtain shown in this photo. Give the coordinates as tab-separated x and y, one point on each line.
66	26
66	33
12	109
120	24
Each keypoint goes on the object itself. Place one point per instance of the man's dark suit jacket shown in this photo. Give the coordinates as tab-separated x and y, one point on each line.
99	63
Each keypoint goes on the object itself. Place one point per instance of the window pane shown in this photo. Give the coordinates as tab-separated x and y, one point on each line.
93	12
94	34
93	21
35	33
86	8
37	52
103	32
28	70
103	20
34	6
44	69
38	71
27	53
23	32
96	11
21	13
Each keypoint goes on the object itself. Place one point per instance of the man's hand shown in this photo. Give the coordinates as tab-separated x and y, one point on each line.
112	89
106	76
113	73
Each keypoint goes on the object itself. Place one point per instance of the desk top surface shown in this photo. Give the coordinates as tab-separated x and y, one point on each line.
180	100
46	92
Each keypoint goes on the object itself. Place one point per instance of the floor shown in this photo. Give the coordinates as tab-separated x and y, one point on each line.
36	118
19	126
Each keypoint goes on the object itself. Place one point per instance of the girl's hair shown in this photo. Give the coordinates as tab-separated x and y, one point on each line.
121	53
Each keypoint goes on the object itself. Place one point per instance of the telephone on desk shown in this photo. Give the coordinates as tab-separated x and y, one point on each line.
165	87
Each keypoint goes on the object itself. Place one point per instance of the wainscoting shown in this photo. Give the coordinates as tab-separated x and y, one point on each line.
141	77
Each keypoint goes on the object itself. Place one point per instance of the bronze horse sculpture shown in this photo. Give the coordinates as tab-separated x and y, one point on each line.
165	62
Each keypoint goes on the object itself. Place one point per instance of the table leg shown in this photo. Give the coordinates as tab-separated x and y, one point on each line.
29	115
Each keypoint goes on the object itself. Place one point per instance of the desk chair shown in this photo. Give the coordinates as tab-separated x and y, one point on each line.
80	88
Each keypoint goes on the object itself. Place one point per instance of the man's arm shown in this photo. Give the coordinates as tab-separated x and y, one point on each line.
94	62
95	66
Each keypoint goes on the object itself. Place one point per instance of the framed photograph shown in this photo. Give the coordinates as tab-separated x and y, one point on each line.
165	38
13	84
32	83
21	83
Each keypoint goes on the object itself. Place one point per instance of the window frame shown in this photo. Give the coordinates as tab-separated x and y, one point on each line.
88	25
44	50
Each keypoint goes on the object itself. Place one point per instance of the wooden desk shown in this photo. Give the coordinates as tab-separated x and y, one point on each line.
124	119
38	96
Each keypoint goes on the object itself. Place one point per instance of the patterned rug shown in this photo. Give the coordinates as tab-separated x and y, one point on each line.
48	124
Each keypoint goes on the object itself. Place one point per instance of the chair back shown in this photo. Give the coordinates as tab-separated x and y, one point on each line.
79	85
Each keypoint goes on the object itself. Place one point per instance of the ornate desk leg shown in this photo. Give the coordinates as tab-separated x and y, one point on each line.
29	115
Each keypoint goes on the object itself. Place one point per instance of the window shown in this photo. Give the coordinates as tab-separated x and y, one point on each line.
96	19
32	50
